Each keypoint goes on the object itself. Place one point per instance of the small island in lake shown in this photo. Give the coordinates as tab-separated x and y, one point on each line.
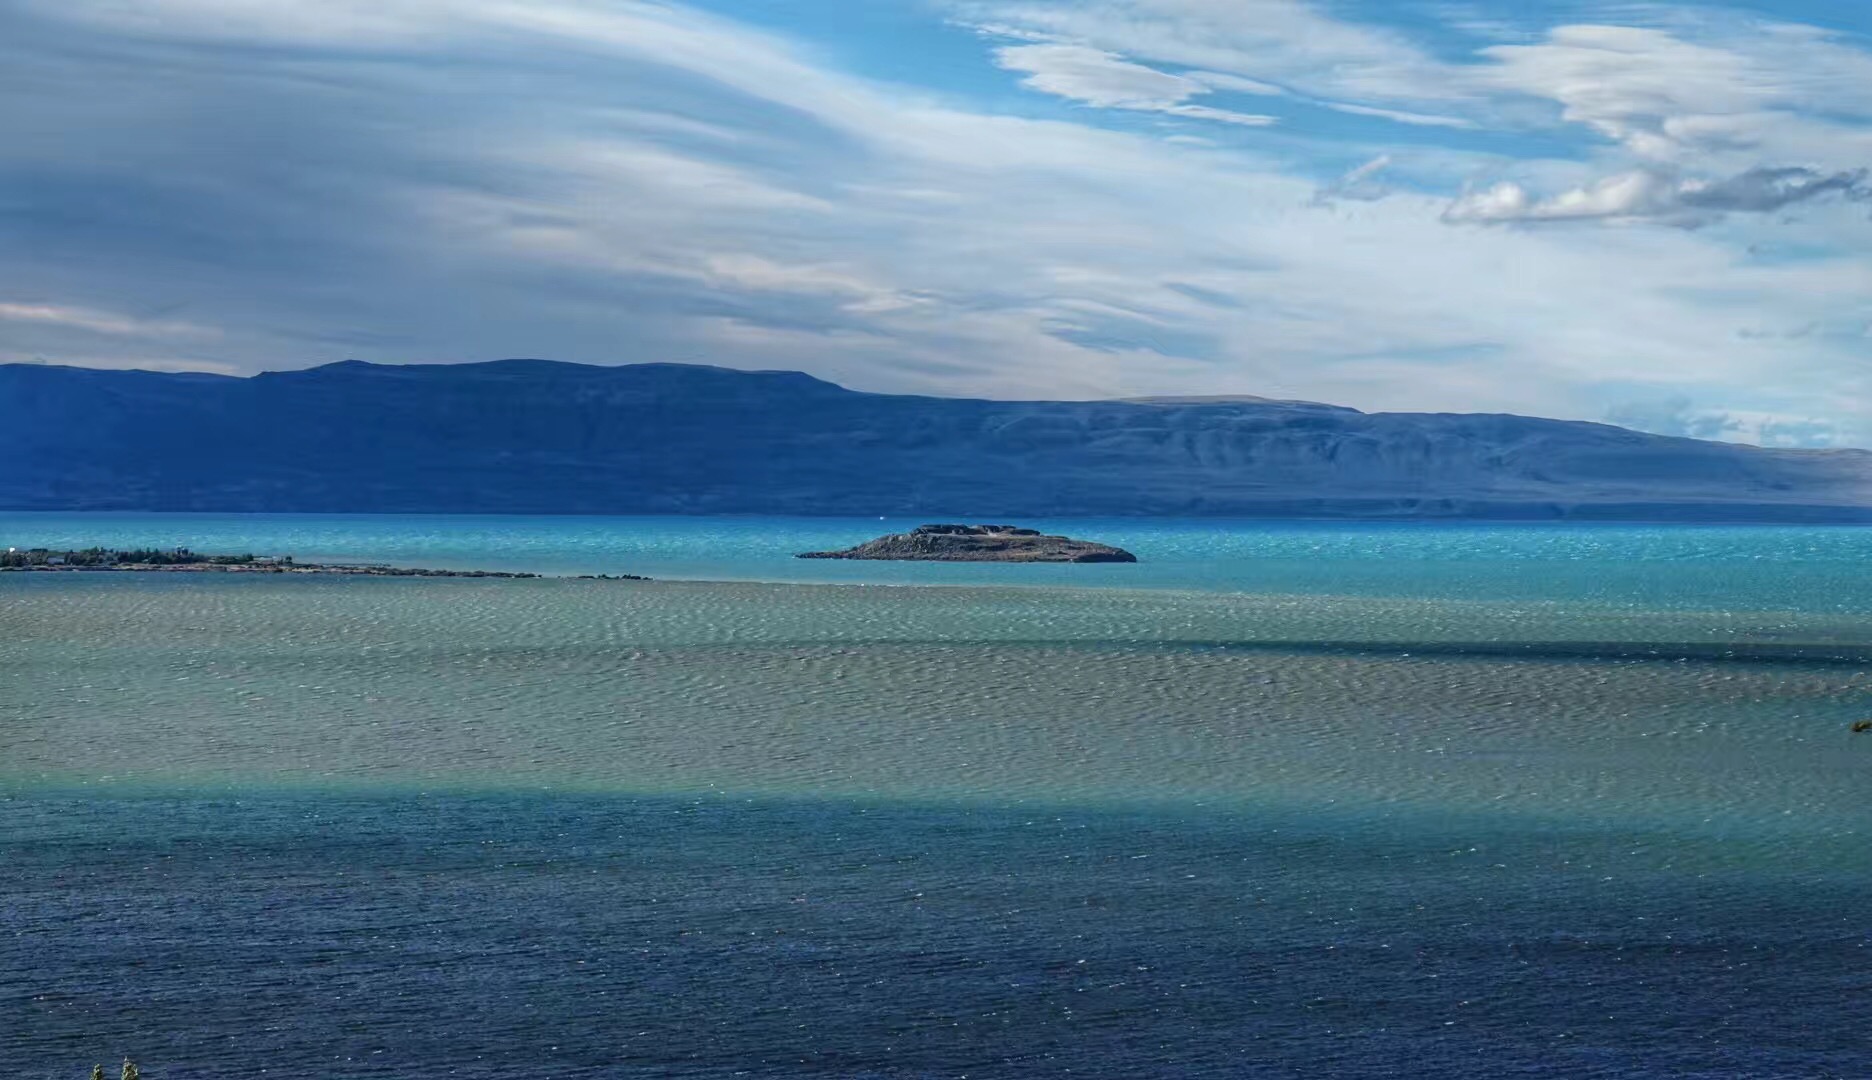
182	560
979	543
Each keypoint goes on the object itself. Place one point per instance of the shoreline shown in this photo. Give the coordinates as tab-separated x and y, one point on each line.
337	569
185	561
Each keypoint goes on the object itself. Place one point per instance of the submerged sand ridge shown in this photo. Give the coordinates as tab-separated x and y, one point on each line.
979	543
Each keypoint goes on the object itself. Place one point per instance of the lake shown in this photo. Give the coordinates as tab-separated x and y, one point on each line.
1283	799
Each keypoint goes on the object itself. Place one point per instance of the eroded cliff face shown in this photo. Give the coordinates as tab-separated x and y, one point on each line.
528	436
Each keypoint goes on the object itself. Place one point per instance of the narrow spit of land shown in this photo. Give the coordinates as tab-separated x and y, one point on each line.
183	560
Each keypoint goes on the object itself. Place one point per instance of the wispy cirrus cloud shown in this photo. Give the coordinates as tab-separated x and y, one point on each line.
1751	87
622	180
1100	78
1360	184
1285	43
1708	117
99	322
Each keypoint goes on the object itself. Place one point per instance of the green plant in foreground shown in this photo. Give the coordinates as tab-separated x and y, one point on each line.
130	1071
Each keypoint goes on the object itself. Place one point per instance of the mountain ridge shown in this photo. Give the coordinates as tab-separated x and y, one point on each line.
542	436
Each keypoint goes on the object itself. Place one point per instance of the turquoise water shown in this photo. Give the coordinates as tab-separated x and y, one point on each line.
1282	800
1642	566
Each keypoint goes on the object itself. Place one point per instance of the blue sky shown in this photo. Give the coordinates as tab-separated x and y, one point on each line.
1651	213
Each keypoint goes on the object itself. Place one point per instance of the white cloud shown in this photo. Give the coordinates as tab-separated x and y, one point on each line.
1095	77
1360	184
1099	78
1226	116
1653	195
330	22
1414	119
721	196
1677	416
1284	43
1217	80
1082	53
1631	84
1625	195
1697	108
1750	119
1672	101
98	322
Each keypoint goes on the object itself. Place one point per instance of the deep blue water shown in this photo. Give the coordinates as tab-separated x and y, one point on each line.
538	936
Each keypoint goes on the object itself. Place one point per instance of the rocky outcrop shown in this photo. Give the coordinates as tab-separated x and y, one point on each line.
979	543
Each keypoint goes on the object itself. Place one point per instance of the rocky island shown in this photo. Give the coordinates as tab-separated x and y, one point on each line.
979	543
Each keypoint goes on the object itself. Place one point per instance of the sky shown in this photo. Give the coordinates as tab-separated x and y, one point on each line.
1653	214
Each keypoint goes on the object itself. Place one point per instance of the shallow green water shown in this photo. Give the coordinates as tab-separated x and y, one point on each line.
1689	718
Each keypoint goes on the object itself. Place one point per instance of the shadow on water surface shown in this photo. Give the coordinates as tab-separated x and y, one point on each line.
507	935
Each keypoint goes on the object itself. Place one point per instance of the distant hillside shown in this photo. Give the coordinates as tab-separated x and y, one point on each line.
531	436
